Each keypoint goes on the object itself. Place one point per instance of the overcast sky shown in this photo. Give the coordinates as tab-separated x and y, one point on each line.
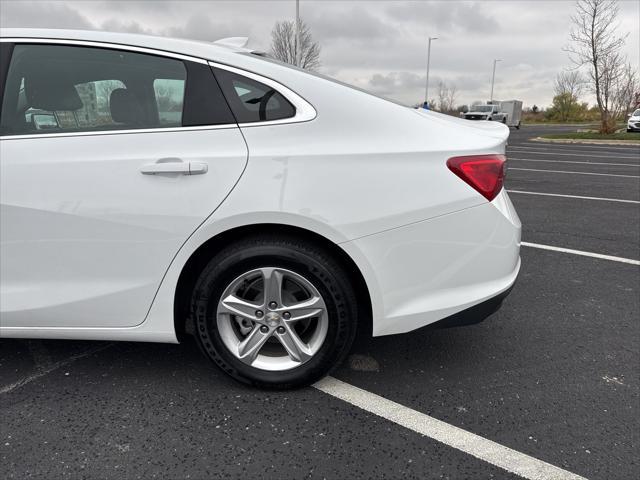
376	45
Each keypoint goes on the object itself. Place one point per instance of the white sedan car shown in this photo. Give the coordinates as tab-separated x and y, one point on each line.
155	188
633	123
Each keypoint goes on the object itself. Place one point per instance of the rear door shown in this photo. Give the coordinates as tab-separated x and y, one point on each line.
110	159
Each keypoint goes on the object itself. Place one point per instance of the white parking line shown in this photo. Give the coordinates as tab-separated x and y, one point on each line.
43	370
635	157
575	173
635	165
580	252
537	144
578	147
574	196
467	442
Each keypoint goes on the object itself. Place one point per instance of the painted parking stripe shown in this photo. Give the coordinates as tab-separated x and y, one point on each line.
574	196
467	442
581	253
575	173
574	147
634	157
634	165
539	144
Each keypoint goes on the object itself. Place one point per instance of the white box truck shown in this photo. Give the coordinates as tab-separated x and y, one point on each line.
513	112
508	112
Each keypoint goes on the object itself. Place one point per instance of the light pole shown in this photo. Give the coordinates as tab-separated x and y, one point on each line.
493	77
298	46
426	89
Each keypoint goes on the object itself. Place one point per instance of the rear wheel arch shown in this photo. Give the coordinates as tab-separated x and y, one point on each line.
199	258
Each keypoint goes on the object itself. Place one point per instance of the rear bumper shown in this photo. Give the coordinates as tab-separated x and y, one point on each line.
475	314
428	271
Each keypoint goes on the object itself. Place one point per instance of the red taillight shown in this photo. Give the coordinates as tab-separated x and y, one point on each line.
485	173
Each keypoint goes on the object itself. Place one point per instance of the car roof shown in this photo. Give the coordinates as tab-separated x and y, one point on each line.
200	49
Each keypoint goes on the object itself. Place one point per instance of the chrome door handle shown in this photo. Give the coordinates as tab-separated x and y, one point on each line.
174	165
198	168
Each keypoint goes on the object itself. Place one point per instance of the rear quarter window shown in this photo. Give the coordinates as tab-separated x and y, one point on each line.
252	101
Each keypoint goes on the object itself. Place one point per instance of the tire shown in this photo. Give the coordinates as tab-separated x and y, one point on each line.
249	262
518	126
504	120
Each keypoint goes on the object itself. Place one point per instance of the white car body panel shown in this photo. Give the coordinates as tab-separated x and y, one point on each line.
66	200
366	174
453	265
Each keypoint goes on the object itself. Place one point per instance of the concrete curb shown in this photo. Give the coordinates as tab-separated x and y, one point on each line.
587	141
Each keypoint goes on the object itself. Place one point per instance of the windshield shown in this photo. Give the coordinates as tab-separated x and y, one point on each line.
481	108
636	113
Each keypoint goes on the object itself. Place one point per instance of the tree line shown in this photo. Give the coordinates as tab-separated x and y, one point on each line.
599	67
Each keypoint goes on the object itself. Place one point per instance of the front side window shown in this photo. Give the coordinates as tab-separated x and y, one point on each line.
252	101
55	88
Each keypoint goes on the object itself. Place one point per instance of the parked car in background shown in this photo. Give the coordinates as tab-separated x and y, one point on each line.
485	112
508	112
188	188
633	123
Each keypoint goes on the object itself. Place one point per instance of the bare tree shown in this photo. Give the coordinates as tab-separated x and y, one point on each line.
446	97
451	99
567	88
284	45
627	91
596	43
443	93
570	82
169	95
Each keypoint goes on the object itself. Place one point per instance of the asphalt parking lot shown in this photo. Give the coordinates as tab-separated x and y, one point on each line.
554	375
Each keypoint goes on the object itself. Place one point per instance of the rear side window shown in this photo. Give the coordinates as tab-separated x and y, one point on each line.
252	101
58	88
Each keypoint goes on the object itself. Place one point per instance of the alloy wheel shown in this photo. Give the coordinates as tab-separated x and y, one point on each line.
272	319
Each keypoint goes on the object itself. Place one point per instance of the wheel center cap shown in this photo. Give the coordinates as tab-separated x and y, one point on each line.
273	319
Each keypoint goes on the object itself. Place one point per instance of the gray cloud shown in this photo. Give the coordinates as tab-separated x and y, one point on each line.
116	25
378	45
41	15
394	82
200	27
329	22
457	16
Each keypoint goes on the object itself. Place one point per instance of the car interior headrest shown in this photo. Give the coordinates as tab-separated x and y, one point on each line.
50	93
125	107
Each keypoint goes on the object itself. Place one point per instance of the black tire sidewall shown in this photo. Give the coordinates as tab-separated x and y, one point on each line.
324	274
